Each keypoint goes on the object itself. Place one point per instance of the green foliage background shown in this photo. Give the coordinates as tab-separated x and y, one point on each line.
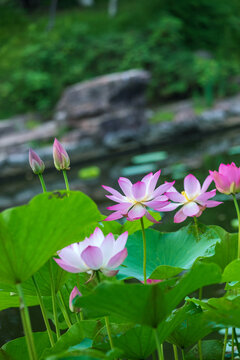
190	48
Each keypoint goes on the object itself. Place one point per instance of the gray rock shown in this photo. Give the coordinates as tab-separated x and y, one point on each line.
212	116
100	95
114	141
234	109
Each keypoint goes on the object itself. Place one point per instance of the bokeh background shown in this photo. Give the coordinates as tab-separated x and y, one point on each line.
189	105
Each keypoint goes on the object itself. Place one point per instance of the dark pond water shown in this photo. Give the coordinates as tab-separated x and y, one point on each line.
190	154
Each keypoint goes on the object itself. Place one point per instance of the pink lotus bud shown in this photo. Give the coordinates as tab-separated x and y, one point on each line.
35	162
74	294
60	156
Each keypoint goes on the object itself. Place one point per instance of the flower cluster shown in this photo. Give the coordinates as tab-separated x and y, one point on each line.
60	158
142	195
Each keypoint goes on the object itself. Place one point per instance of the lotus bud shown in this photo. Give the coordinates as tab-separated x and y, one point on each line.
60	156
74	294
36	163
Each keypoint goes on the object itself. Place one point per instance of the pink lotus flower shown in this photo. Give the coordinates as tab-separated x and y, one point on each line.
194	199
137	198
60	156
152	281
96	253
36	163
227	178
74	294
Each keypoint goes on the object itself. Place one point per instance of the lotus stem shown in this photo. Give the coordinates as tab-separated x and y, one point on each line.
183	355
42	183
43	310
175	351
196	227
64	310
109	332
236	340
144	252
106	318
66	180
54	304
238	216
225	343
26	324
232	352
159	345
200	350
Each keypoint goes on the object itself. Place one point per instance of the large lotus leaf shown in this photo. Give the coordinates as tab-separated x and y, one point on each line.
139	342
130	302
223	311
168	253
74	336
195	326
172	322
11	299
146	304
226	249
31	234
4	355
201	274
17	348
85	354
211	349
232	271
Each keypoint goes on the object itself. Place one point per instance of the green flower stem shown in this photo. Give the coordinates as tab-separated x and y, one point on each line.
26	324
42	183
159	345
196	227
144	252
62	306
225	343
200	349
232	352
43	310
200	290
175	351
54	304
183	355
200	341
162	351
66	180
238	215
81	315
98	277
106	318
109	332
77	317
236	340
